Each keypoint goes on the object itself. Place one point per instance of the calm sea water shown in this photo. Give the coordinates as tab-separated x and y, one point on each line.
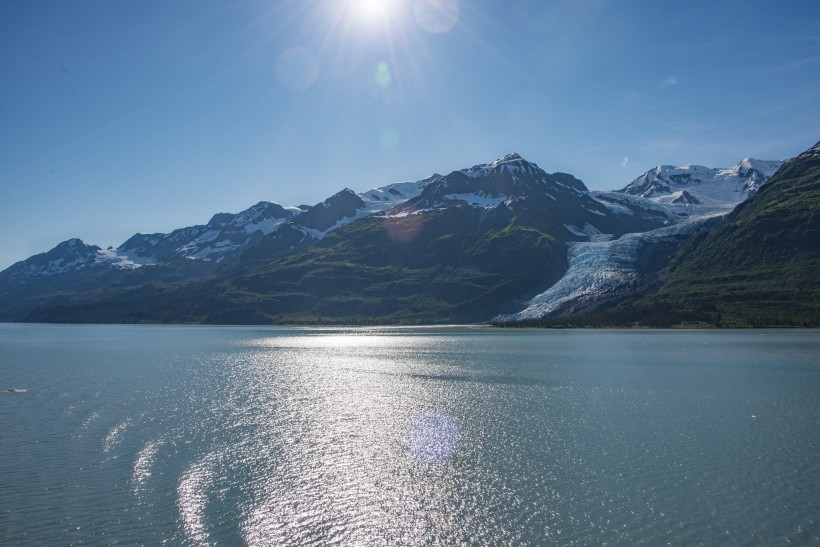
377	436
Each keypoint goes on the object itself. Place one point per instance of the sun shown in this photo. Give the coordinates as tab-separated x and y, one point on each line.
368	11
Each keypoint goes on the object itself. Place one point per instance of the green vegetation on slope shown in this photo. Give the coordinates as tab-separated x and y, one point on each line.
460	264
761	267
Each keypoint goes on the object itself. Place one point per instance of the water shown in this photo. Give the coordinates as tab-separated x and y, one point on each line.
375	436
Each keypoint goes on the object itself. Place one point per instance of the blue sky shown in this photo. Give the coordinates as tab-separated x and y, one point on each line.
124	116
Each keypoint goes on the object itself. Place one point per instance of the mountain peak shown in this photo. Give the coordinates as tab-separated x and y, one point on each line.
70	255
509	158
74	247
811	153
512	162
728	185
337	208
72	243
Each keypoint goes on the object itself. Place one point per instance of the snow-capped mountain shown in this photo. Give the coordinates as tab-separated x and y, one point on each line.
488	185
491	236
227	235
557	202
604	268
223	236
666	183
332	213
69	257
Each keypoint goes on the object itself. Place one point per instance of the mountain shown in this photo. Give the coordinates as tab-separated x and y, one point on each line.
666	183
607	269
557	203
469	245
460	247
503	240
757	266
266	229
67	257
761	266
223	236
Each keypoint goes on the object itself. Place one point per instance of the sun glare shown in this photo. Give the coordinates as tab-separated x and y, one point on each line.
372	10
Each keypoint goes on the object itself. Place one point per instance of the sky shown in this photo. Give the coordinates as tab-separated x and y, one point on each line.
126	116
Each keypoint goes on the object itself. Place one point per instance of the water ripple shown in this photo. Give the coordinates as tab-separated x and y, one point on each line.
192	497
144	464
114	435
411	437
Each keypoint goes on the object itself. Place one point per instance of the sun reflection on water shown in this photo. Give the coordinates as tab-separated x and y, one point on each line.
432	436
345	430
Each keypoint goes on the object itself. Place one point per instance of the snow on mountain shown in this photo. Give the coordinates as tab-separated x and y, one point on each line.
225	235
558	203
70	256
334	212
692	196
511	163
705	184
387	197
489	185
113	259
486	185
603	269
242	230
479	199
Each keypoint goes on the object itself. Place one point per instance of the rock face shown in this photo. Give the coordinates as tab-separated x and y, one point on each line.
332	212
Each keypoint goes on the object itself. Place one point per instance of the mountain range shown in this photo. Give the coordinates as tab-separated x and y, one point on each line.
504	241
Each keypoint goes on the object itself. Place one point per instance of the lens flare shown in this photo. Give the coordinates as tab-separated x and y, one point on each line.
403	229
436	16
383	75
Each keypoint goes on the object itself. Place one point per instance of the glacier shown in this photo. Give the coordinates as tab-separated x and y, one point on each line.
602	269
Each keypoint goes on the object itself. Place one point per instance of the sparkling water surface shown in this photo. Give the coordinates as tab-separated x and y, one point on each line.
408	436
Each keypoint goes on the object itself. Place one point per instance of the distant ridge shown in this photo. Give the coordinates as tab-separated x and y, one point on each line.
503	239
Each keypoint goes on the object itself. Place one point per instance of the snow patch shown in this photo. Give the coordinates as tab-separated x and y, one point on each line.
266	226
118	261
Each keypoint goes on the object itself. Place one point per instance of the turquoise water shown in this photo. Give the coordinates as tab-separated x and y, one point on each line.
376	436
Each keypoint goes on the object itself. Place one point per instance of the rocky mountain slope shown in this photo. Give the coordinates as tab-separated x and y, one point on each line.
762	266
605	269
667	184
502	238
757	266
